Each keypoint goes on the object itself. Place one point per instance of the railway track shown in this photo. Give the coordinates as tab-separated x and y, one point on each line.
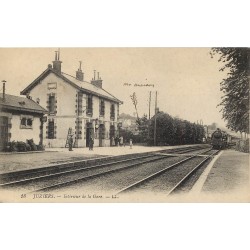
169	184
38	181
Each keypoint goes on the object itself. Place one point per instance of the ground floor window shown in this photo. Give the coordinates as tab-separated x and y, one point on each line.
26	122
51	130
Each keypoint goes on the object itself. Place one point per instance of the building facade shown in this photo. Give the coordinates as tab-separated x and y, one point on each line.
74	106
21	119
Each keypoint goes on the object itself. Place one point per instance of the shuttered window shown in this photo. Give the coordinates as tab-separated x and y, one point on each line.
26	121
89	105
102	107
52	104
112	111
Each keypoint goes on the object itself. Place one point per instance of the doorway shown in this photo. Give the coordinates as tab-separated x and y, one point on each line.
3	132
101	135
89	133
112	134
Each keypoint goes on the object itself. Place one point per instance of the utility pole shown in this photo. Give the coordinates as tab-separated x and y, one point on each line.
3	81
155	118
149	105
149	113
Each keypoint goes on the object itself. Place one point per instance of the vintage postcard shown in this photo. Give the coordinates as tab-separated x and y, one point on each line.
112	125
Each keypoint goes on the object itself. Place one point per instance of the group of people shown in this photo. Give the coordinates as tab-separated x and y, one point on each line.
70	142
117	141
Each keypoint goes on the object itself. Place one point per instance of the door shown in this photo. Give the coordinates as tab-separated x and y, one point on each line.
89	132
3	132
101	135
112	134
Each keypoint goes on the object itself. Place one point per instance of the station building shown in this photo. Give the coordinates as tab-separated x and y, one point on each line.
74	106
21	119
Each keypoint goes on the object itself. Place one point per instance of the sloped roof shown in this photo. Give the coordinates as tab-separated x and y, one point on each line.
81	85
21	103
127	116
86	86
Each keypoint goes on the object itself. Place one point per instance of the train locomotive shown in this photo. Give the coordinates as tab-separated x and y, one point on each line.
219	139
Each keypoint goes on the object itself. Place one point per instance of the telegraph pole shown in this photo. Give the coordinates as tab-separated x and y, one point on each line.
149	102
155	118
149	105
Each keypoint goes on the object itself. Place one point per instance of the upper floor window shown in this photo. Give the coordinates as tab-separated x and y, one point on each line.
79	103
52	101
89	105
102	107
52	85
26	122
112	111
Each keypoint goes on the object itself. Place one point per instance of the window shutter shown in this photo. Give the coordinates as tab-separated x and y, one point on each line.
91	104
87	102
100	106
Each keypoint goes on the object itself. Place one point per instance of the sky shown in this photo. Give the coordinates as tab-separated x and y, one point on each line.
187	80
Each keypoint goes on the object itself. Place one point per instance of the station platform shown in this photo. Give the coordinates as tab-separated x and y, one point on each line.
226	179
17	161
229	177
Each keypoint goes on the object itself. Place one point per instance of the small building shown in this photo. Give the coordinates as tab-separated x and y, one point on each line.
20	119
129	123
75	106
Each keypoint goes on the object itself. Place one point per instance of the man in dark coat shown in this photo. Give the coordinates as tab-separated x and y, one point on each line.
71	142
91	143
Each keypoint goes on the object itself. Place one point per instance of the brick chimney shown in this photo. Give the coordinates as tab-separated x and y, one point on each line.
57	63
97	82
79	73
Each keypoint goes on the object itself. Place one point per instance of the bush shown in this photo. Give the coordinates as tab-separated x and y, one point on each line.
242	146
11	147
32	145
21	146
40	148
28	148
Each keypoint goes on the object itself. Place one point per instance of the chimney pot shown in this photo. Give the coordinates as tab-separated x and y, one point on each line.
57	64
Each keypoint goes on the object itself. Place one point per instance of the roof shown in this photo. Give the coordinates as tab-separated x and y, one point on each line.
21	103
127	116
81	85
86	86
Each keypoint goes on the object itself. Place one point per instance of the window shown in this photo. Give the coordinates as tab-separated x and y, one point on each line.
52	104
51	130
102	107
89	105
79	103
112	111
26	122
52	85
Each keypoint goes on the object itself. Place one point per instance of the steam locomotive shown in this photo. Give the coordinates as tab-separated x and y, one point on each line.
220	139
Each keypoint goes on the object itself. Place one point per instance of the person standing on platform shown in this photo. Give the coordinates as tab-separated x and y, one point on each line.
70	142
91	143
117	141
112	141
121	141
130	143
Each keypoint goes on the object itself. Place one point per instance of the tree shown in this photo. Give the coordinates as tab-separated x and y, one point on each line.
170	131
235	102
143	124
134	101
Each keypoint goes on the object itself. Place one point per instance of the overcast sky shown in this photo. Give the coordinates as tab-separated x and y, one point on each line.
187	79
